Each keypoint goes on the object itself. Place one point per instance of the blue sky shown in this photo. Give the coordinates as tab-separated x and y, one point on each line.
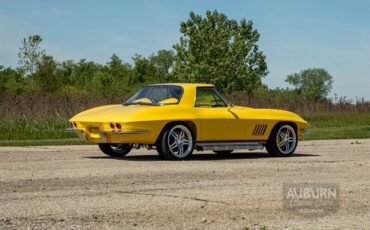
295	34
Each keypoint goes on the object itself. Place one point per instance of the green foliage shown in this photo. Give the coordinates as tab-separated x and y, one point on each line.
42	142
83	73
338	119
212	49
314	84
163	61
222	51
48	77
113	78
11	81
30	54
118	69
338	126
34	130
104	83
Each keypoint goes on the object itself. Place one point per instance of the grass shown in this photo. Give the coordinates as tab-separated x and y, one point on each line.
338	126
68	141
23	129
351	132
24	132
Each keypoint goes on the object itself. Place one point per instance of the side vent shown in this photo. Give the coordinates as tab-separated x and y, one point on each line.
259	130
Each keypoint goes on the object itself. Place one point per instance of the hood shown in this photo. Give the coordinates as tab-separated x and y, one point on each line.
279	114
267	114
108	113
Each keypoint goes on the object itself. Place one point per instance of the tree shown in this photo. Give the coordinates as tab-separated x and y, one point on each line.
104	83
30	54
83	73
48	75
11	81
163	61
119	70
218	50
144	71
314	83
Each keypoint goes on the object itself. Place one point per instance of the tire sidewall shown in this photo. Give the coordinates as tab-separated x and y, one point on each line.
272	145
164	149
108	150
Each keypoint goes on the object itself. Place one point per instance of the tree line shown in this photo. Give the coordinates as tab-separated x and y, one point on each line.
212	49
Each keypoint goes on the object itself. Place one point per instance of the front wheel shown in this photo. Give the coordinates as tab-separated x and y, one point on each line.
283	141
115	150
176	143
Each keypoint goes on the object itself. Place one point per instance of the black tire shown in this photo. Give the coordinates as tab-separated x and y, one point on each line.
115	150
223	152
165	139
272	146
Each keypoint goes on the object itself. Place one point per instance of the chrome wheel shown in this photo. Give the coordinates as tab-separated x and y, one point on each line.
180	141
286	139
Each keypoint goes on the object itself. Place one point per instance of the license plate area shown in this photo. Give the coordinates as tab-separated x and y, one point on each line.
94	132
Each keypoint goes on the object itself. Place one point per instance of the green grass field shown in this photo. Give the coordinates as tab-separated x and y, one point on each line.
338	126
52	132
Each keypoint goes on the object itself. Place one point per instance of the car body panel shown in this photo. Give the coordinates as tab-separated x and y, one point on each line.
144	123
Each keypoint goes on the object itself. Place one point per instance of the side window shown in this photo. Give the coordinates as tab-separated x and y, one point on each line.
208	97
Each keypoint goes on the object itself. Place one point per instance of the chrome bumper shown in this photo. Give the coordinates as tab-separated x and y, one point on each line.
103	134
306	130
80	133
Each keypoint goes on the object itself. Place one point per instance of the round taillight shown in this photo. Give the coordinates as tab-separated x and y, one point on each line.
75	124
118	125
112	125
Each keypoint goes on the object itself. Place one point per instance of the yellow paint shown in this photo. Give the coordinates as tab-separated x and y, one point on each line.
211	123
171	100
145	100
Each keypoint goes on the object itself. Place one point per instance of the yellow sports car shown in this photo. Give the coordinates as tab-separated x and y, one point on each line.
175	119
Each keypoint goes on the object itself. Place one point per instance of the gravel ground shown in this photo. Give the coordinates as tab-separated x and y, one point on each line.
78	187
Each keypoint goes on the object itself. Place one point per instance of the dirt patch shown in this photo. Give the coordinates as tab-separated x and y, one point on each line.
78	187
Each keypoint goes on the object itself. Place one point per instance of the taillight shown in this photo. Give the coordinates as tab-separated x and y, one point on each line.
112	125
118	125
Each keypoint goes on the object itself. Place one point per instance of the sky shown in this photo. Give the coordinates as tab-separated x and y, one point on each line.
295	34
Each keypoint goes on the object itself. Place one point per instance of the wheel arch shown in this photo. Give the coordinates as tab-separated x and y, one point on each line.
189	124
280	123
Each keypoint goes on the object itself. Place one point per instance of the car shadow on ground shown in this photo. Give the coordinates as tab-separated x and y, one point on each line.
205	156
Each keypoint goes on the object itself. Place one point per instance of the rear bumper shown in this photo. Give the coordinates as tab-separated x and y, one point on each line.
80	133
128	136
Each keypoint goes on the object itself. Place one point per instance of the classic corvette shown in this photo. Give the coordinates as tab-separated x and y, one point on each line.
175	119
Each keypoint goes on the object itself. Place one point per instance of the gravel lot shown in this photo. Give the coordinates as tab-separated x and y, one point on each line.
79	187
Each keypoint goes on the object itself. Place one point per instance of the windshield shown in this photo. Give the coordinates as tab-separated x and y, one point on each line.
156	95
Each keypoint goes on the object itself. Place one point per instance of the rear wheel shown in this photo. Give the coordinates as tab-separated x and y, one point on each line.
282	141
176	142
223	152
115	150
